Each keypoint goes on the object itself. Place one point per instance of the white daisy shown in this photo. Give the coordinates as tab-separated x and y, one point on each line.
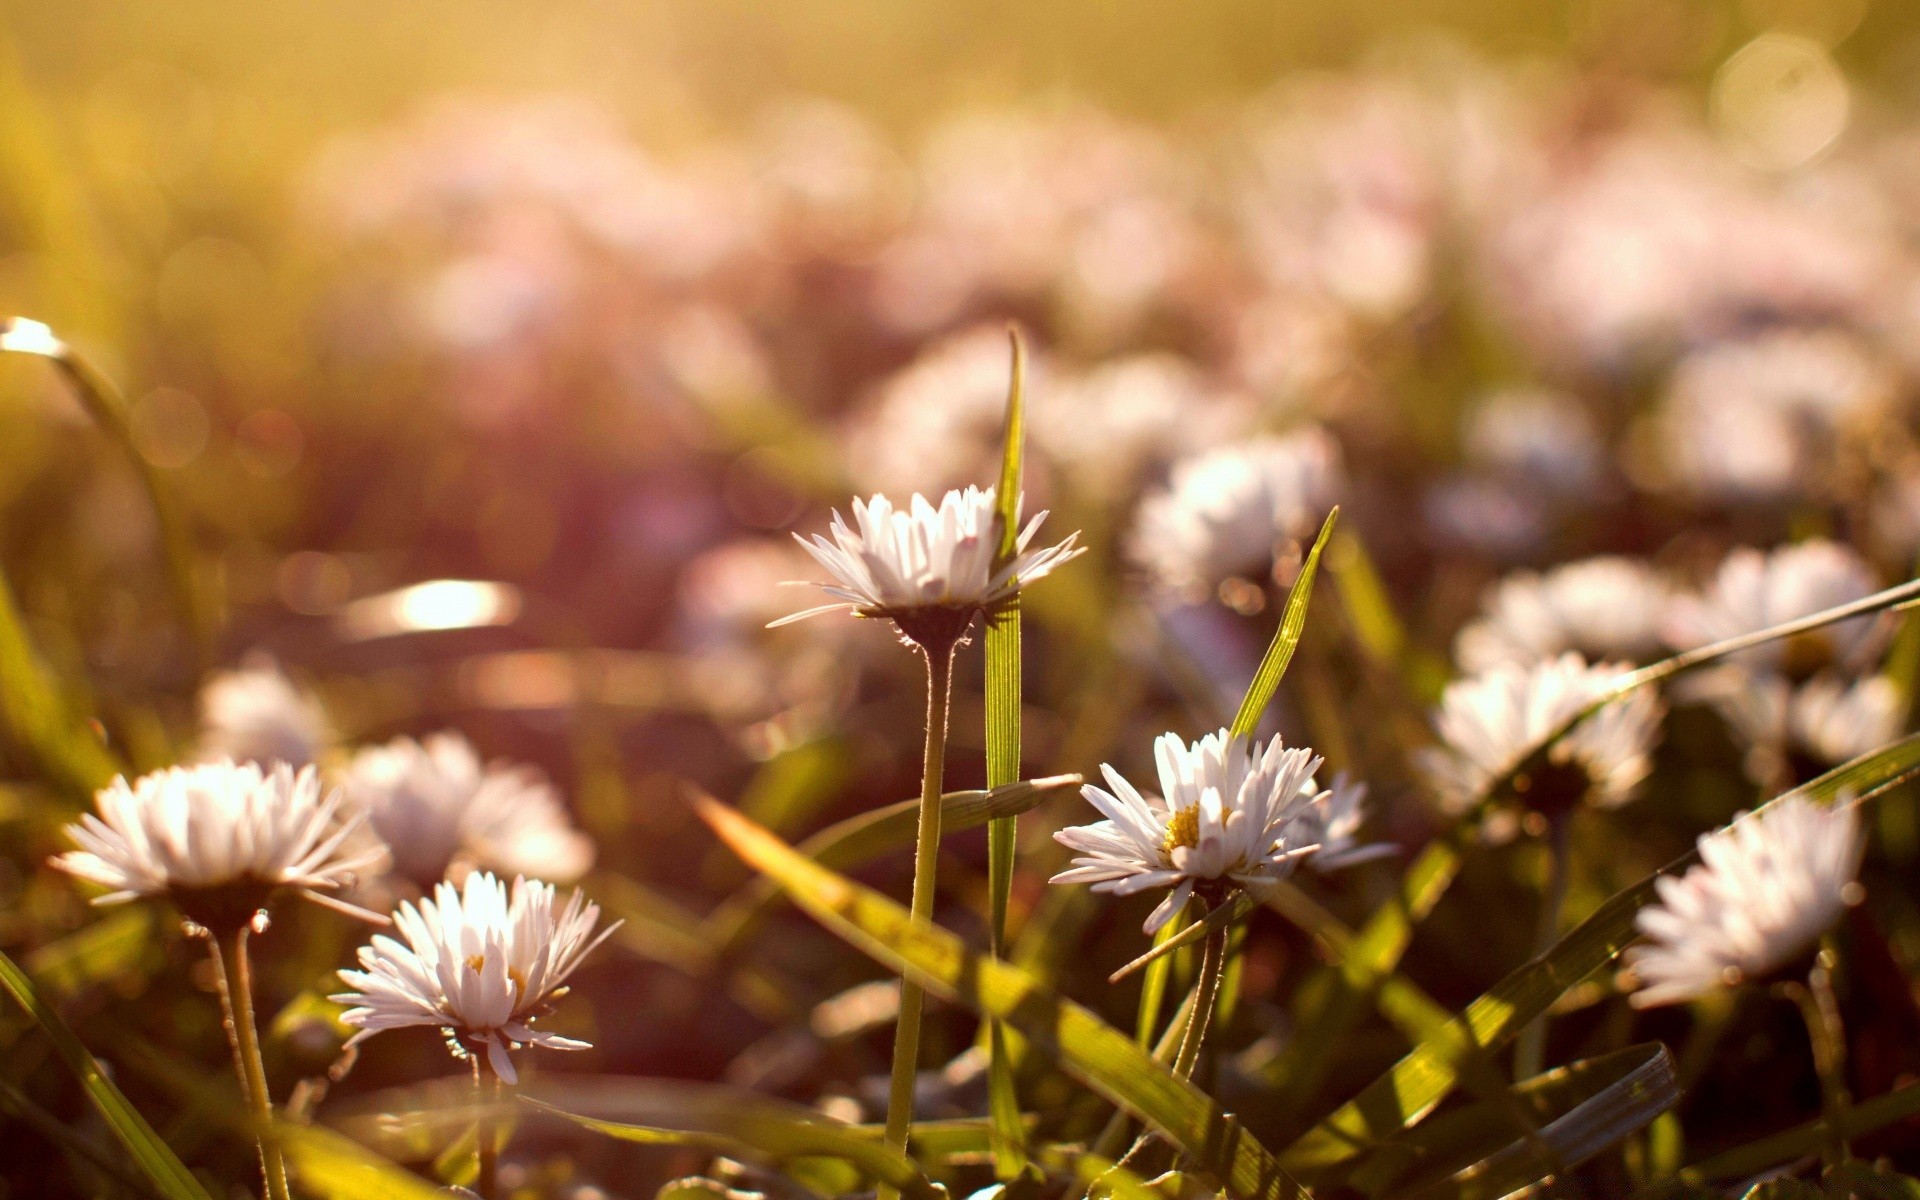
1544	438
1805	728
1755	590
1494	724
479	964
1606	608
1229	811
218	840
1331	819
1765	888
256	714
436	805
1225	513
928	569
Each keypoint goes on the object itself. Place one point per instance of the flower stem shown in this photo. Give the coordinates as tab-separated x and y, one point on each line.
234	976
1530	1054
926	856
1821	1011
486	1138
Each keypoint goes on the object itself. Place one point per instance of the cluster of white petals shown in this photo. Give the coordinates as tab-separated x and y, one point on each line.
891	561
256	714
1228	810
1492	723
188	829
1755	590
1765	888
478	962
1607	608
436	805
1224	513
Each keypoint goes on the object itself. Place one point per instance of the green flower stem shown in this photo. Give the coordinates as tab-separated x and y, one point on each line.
1530	1053
1821	1011
926	856
486	1135
234	976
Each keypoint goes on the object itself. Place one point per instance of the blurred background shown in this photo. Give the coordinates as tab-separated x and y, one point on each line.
580	309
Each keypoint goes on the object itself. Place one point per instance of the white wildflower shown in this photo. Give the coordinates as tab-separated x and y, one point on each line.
1226	512
1755	590
218	840
1495	724
927	568
1765	888
436	805
1606	608
1229	812
256	714
478	963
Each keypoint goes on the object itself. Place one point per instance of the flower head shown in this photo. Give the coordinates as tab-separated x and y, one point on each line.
435	804
1605	608
924	564
478	963
1765	888
1755	590
1229	812
218	839
1225	512
257	715
1805	728
1495	725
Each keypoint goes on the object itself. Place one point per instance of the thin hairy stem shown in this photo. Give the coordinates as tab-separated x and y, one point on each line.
486	1135
233	975
1820	1009
926	856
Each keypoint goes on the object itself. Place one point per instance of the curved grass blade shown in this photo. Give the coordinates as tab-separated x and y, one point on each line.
155	1159
1003	702
1580	1109
1089	1049
728	1121
332	1167
1409	1090
1863	1118
108	408
860	839
1286	639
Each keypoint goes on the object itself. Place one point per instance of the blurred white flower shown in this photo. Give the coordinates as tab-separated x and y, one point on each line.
1226	512
1113	426
1495	724
1229	810
435	805
1543	438
1331	819
1490	515
217	840
1755	590
1606	608
477	963
911	565
1766	887
1761	419
256	714
1805	728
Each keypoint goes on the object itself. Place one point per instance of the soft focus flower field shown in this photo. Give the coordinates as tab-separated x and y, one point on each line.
1363	648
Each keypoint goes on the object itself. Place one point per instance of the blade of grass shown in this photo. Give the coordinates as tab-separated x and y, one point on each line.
108	408
1419	1081
1865	1117
155	1159
1273	666
1003	701
1106	1060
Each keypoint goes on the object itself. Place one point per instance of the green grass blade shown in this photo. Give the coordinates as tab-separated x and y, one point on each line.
860	839
108	408
1408	1091
38	718
1863	1118
1293	620
332	1167
1003	702
1089	1049
155	1159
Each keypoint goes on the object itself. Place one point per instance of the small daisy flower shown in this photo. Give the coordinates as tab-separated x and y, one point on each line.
1755	590
1230	812
479	963
1225	513
436	805
1766	887
218	840
1605	608
257	715
1539	437
1803	729
927	569
1494	724
1331	819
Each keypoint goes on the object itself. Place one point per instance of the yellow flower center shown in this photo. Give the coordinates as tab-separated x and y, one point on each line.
1183	828
479	964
